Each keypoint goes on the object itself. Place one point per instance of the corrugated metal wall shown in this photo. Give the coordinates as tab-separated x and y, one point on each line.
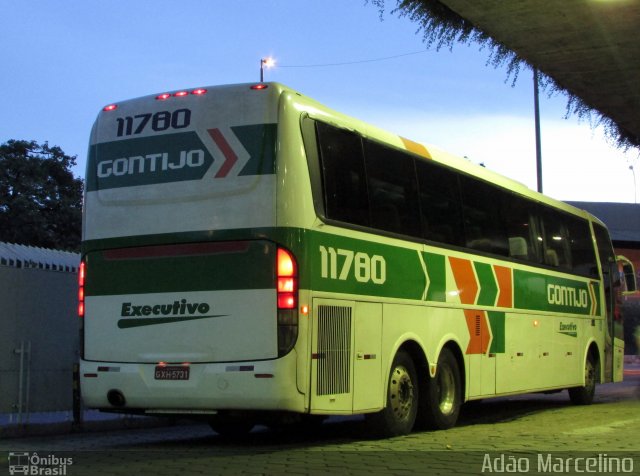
38	339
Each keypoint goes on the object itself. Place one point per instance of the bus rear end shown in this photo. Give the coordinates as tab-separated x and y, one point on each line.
187	301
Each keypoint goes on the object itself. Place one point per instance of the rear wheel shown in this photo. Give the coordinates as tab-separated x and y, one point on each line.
399	414
441	404
584	395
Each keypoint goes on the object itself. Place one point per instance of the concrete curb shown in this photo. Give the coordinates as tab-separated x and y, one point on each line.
62	428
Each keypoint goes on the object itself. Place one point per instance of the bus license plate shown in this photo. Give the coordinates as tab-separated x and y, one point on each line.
177	372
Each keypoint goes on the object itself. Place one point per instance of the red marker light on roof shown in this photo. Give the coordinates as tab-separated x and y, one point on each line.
260	86
163	96
181	94
110	107
199	91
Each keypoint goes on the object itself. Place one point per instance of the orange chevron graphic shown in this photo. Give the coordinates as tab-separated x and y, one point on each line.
479	335
465	279
594	300
505	286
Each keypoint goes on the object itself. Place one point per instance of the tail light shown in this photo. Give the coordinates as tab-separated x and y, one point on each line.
81	278
287	299
287	280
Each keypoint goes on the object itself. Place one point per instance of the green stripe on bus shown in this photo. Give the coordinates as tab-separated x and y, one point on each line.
496	322
488	285
252	269
436	270
541	292
333	264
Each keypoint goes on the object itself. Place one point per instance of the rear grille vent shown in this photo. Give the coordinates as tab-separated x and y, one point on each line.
334	350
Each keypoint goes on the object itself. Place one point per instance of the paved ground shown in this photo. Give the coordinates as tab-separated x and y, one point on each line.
536	434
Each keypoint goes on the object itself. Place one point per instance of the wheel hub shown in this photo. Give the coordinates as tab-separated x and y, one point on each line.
401	393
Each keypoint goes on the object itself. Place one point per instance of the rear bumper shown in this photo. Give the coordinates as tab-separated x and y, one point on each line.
261	385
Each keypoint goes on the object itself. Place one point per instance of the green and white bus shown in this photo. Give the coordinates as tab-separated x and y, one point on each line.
250	255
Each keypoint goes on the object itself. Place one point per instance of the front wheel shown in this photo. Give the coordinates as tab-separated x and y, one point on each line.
584	395
399	414
443	394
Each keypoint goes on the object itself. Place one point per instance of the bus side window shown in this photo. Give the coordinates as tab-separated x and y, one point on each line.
343	175
583	258
520	230
554	239
484	227
609	266
440	203
393	194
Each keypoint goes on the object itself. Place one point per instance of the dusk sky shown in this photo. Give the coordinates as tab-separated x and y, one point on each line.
64	60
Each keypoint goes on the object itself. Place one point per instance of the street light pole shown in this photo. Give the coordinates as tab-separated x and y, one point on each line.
265	63
536	106
635	188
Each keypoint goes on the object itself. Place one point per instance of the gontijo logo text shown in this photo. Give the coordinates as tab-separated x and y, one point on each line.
147	160
139	164
567	296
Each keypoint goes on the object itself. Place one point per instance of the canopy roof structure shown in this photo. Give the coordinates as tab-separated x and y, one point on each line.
589	48
621	219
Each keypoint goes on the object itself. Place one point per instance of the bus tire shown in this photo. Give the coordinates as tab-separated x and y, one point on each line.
443	394
399	414
584	395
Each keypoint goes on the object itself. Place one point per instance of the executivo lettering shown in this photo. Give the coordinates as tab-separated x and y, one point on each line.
177	308
137	315
569	329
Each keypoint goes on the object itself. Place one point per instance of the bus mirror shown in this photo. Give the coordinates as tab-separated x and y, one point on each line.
627	273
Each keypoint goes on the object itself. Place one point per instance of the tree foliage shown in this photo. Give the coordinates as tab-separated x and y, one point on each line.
442	27
40	199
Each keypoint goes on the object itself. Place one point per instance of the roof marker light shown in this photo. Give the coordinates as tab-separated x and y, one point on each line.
110	107
199	91
163	96
260	86
181	94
